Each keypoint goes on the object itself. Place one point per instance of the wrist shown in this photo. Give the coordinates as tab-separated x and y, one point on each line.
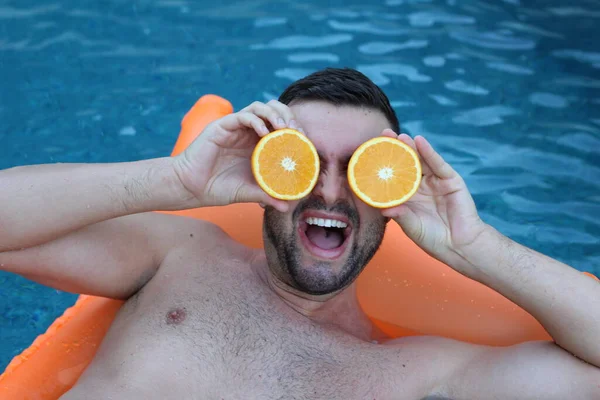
481	252
155	187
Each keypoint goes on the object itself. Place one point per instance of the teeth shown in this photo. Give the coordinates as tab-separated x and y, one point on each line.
327	223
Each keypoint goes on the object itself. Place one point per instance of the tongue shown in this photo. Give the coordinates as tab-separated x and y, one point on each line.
324	238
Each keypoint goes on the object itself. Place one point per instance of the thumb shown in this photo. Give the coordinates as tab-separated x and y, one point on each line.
406	218
256	194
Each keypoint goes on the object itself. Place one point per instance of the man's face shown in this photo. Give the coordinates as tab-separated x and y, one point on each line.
326	239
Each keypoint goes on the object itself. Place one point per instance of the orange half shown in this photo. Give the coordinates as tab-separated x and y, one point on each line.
384	172
285	164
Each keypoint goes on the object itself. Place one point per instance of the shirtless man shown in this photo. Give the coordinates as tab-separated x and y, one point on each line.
208	318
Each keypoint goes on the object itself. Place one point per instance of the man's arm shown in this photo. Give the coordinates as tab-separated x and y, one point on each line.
562	299
452	370
443	220
68	225
42	202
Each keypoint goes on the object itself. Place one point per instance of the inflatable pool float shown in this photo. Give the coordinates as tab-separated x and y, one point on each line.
403	290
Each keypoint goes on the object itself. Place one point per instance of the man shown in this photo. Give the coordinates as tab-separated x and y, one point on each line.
207	318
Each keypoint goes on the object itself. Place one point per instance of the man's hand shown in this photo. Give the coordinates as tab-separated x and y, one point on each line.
216	167
441	217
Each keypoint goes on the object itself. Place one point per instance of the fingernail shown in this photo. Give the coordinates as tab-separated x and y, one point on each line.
264	129
293	124
280	121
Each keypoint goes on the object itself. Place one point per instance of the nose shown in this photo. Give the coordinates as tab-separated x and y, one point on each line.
331	187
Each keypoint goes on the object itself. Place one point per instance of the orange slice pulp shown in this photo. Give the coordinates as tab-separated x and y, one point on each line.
285	164
384	172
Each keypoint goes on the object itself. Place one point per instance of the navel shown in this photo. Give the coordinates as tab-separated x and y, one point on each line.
175	316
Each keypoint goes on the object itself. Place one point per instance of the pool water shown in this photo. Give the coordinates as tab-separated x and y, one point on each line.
508	91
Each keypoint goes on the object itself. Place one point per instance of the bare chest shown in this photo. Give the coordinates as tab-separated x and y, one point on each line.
227	335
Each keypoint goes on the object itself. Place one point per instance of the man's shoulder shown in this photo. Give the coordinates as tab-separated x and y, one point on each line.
169	231
194	228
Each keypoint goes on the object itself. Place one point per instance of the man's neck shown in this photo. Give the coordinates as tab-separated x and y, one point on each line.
341	309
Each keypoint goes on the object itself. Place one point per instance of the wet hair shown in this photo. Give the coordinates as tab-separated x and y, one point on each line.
341	87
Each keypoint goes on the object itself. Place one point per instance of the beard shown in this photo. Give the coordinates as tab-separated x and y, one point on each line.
285	255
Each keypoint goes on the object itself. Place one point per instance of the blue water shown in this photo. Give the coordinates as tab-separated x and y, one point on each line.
508	91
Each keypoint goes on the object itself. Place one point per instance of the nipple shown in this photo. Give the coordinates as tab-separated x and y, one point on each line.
175	316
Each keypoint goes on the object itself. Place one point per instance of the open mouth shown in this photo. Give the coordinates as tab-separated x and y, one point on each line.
325	236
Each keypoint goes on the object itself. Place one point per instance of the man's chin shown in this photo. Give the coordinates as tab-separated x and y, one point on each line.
318	277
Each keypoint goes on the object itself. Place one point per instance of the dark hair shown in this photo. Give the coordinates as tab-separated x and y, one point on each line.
341	87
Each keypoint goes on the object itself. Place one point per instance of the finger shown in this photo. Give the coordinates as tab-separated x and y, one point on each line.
286	113
265	200
279	205
252	193
251	120
267	113
389	133
438	166
410	142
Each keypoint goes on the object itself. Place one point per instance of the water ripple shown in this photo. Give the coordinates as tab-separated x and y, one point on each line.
126	50
585	57
269	21
434	61
303	42
292	73
569	126
492	40
519	26
510	68
549	100
368	27
485	116
579	81
309	57
562	164
493	183
430	18
378	72
12	13
400	104
581	141
465	87
60	38
574	12
389	47
574	209
443	100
